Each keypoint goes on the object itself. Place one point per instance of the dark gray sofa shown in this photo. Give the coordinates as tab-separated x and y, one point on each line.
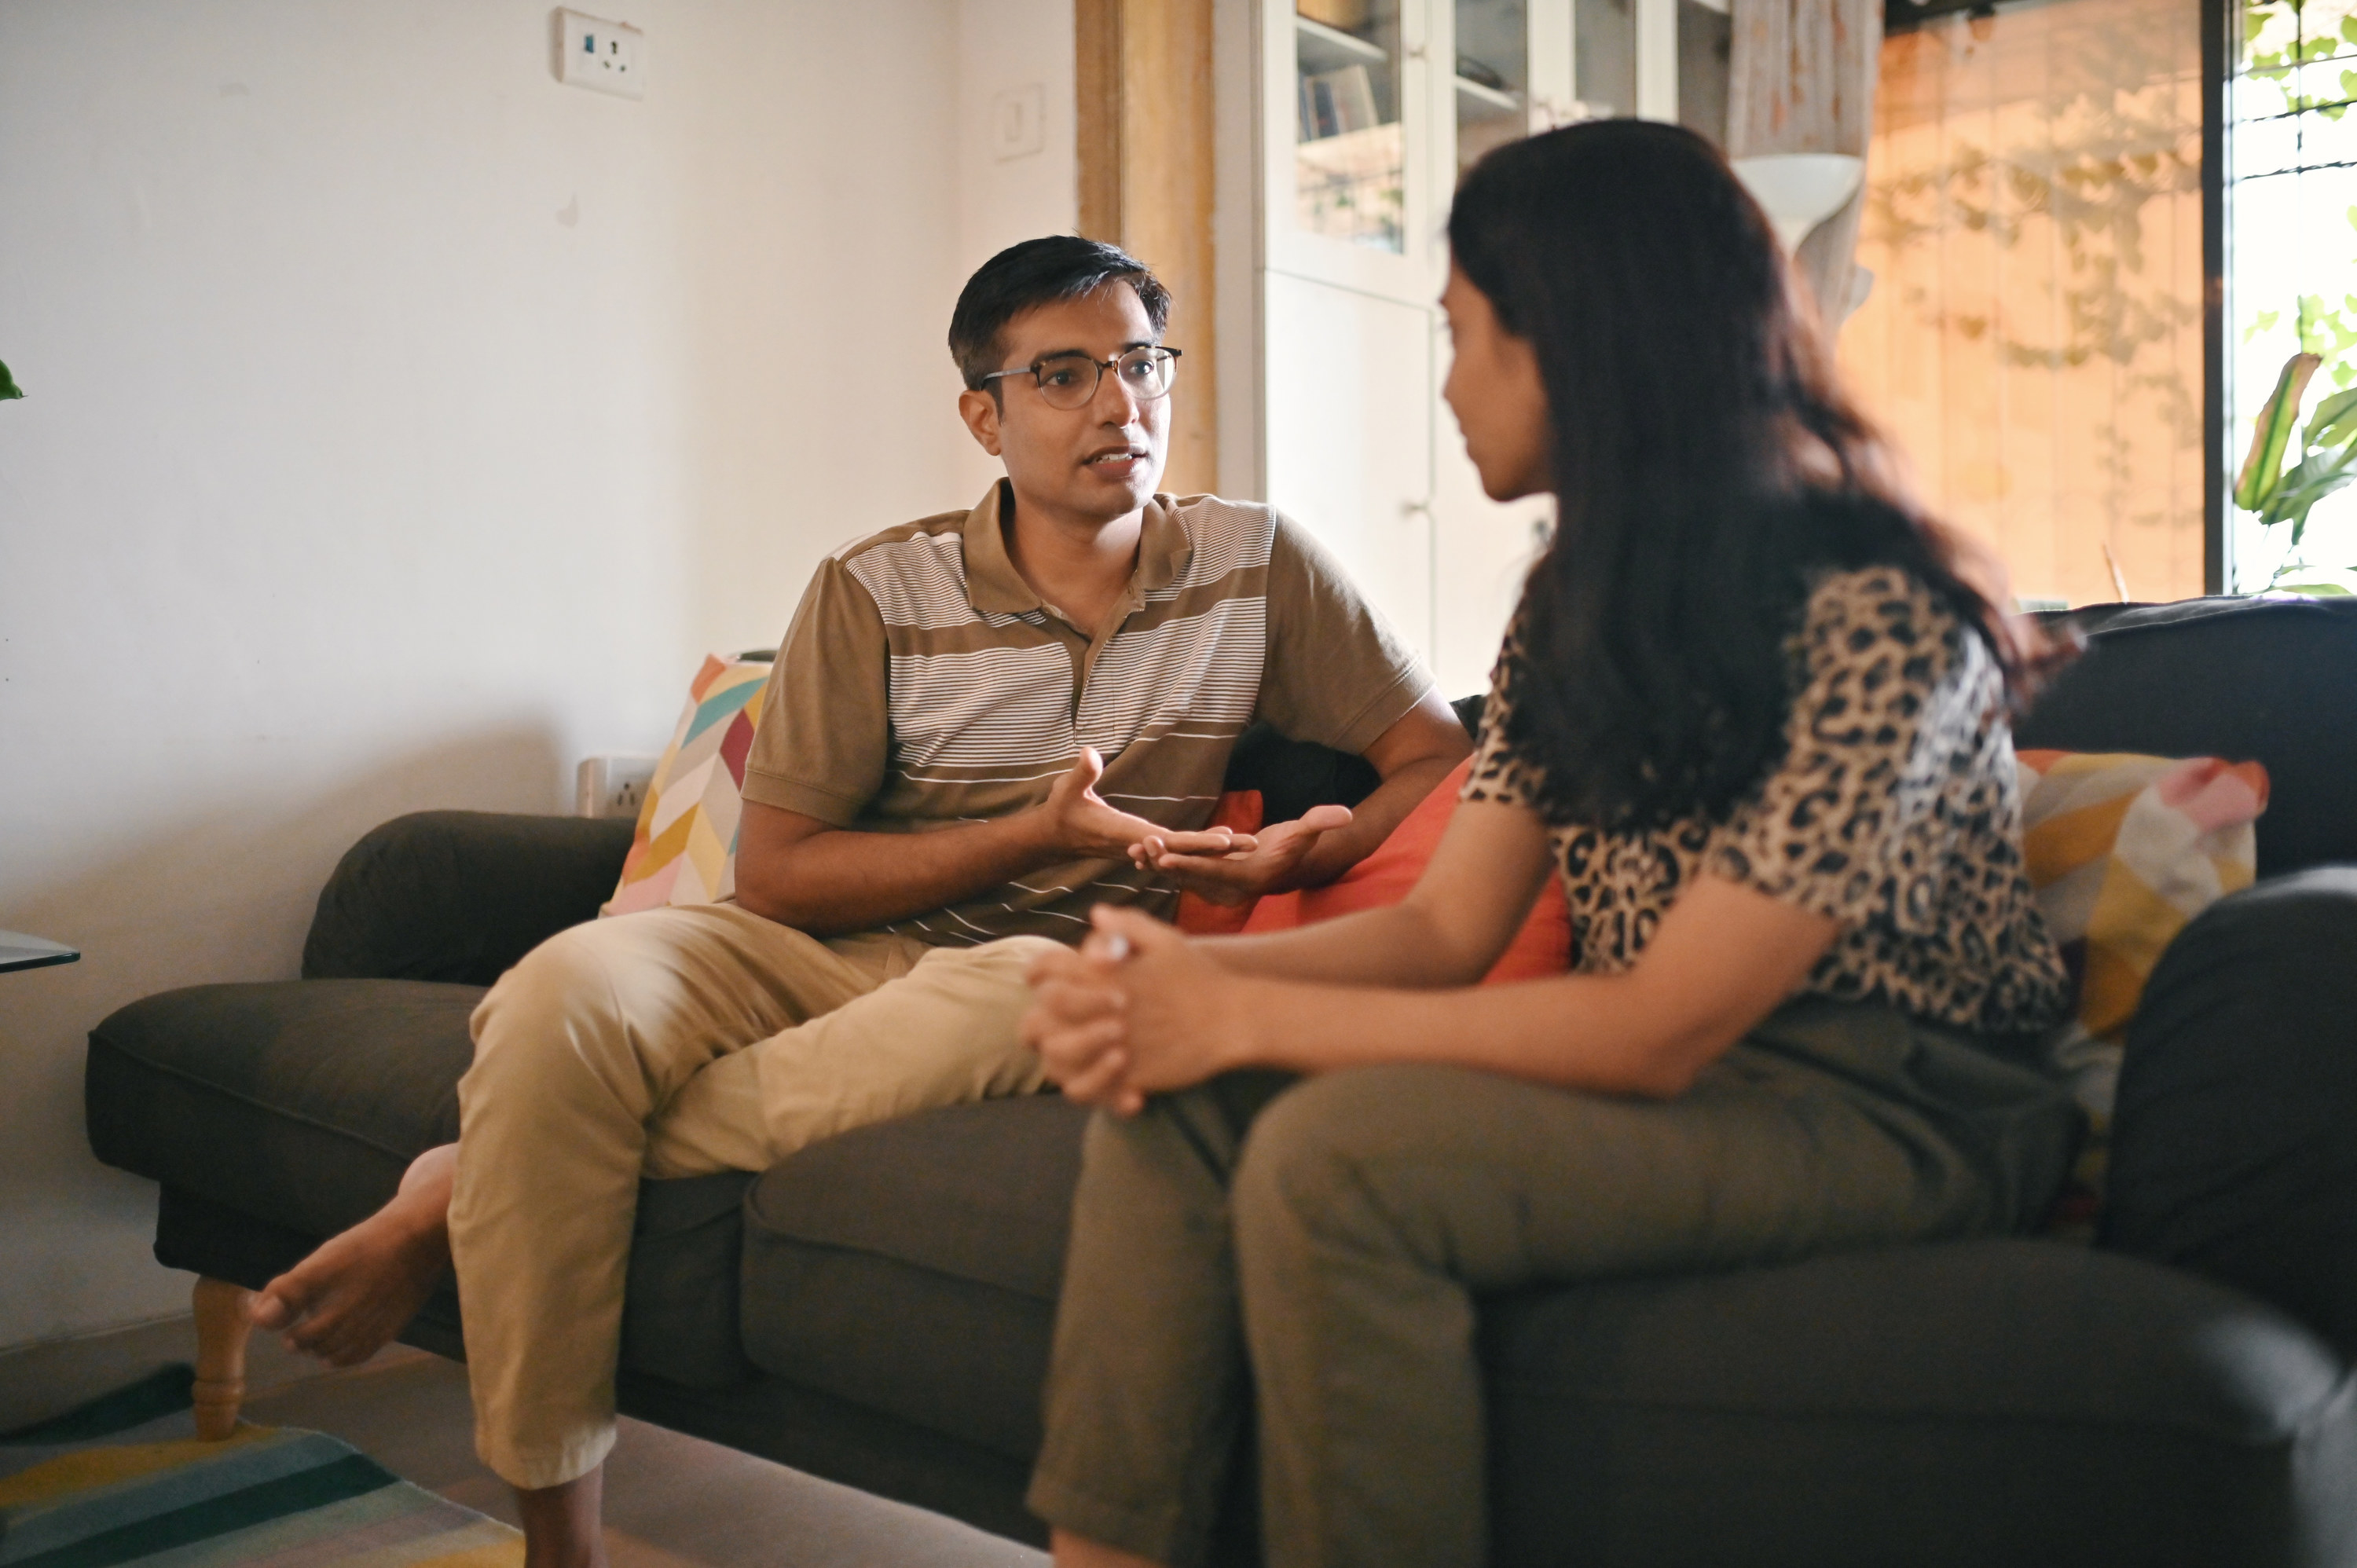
877	1308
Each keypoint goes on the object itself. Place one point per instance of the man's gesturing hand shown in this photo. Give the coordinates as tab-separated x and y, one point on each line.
1137	1010
1077	819
1274	863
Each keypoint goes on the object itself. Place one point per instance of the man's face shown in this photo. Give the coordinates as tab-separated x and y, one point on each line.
1096	462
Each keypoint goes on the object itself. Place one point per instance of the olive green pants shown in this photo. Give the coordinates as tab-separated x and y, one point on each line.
1311	1252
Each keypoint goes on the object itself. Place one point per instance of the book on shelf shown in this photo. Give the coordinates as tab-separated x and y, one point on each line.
1335	102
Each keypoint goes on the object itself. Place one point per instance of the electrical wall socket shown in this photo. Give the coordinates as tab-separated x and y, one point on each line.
612	786
604	56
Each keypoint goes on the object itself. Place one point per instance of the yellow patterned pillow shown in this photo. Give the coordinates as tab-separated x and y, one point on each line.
684	851
2122	852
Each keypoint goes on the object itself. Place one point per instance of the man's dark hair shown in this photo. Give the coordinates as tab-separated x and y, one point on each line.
1035	272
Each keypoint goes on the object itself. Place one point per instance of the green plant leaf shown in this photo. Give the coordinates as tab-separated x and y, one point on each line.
2335	419
2258	481
2301	489
2325	589
8	387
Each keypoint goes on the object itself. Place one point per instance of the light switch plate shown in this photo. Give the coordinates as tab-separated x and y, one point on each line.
1018	122
604	56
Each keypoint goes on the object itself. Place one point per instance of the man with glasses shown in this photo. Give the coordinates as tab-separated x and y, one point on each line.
980	724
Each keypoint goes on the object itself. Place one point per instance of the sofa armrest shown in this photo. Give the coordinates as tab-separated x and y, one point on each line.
2232	1146
460	896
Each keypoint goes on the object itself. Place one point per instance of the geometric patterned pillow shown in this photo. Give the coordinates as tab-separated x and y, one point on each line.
684	851
2122	852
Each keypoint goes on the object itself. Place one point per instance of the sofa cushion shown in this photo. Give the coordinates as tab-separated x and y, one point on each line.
1989	1402
2234	1155
459	895
299	1103
683	850
912	1266
2269	680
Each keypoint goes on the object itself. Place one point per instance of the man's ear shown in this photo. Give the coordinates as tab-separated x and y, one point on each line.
981	413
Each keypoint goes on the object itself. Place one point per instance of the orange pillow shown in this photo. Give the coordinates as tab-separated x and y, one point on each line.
1542	948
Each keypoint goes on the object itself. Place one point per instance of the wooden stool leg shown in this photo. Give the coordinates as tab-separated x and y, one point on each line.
221	1329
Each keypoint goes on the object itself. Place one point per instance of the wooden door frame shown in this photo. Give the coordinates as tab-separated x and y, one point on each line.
1144	96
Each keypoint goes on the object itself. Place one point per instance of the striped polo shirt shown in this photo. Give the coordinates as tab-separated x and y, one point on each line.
923	684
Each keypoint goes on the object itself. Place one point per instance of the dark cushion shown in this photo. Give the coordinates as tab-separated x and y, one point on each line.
2270	680
1294	774
298	1101
912	1266
460	896
2234	1139
2016	1403
300	1104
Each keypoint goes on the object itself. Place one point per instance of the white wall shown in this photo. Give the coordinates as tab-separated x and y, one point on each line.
403	426
1009	45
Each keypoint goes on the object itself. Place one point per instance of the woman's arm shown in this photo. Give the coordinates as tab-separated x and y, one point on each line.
1167	1016
1474	895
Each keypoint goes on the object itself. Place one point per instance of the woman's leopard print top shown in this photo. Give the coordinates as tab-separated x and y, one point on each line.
1895	811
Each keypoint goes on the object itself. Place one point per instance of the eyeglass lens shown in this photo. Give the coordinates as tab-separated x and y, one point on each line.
1070	381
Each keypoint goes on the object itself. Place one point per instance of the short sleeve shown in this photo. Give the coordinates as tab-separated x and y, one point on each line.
1891	698
1335	673
1497	774
826	729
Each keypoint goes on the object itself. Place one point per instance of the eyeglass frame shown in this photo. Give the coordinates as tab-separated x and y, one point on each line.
1101	366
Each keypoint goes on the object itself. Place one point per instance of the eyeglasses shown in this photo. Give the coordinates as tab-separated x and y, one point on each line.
1070	381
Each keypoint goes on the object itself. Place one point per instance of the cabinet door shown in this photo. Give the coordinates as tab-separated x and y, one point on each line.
1481	551
1349	438
1349	180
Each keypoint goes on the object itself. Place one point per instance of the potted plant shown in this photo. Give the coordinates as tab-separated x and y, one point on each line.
2280	483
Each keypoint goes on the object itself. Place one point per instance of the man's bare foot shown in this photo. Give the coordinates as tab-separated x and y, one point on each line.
564	1526
348	1300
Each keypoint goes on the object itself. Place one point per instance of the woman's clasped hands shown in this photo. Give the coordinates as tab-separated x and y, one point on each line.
1137	1009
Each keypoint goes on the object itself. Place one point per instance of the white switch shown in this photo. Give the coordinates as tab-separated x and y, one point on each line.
1016	116
605	57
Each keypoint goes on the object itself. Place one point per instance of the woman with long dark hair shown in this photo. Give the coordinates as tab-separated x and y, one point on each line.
1752	715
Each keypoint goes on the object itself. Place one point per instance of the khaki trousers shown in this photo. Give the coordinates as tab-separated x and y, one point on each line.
674	1043
1308	1255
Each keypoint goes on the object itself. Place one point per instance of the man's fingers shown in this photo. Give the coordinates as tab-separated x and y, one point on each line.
1222	881
1325	819
1210	840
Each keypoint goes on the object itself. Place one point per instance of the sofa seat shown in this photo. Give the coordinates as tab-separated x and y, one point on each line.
2002	1400
912	1267
298	1104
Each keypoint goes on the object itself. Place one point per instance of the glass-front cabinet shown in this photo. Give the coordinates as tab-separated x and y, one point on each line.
1373	110
1349	150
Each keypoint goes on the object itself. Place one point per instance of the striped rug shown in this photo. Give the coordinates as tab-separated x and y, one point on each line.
89	1491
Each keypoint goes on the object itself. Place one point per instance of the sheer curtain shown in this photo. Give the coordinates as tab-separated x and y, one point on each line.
2033	218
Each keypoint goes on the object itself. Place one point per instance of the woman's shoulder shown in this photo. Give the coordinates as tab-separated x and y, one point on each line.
1879	608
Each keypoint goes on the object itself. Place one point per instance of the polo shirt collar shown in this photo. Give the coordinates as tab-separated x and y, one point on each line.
996	587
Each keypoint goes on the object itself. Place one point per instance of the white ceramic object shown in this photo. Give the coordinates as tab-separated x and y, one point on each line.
1800	190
